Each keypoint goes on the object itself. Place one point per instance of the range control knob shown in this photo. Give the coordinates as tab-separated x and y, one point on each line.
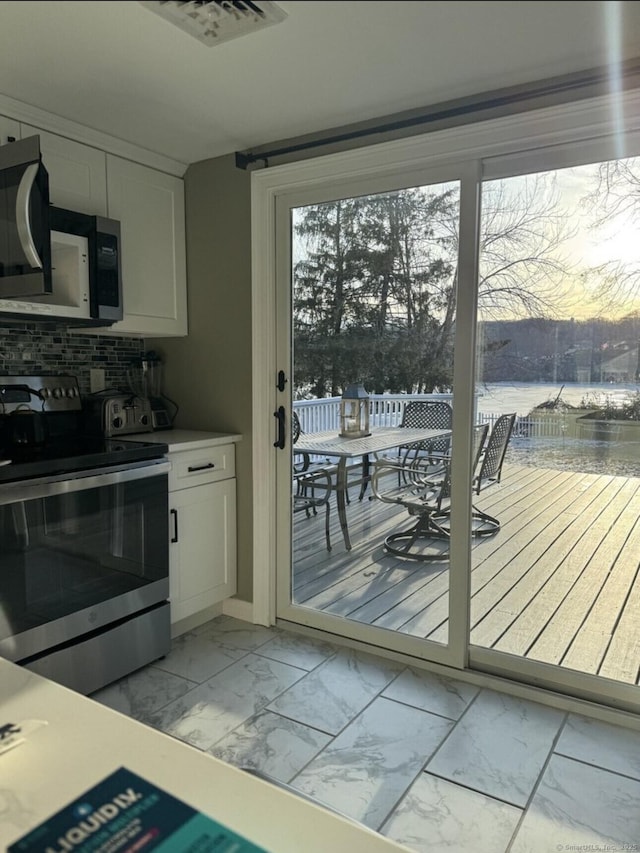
144	420
117	423
57	393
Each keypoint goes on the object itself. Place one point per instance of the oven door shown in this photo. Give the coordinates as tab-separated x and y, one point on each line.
25	238
80	553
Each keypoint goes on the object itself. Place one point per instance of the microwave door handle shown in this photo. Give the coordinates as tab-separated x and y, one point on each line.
22	216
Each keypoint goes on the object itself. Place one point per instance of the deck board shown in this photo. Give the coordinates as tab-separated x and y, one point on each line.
559	582
557	571
592	566
622	659
547	570
591	643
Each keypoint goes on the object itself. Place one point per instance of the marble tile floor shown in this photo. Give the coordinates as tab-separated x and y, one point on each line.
434	763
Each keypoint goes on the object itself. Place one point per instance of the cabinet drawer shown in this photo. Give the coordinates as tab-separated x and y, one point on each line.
196	467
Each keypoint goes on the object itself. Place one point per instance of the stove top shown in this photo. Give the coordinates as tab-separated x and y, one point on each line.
72	454
43	431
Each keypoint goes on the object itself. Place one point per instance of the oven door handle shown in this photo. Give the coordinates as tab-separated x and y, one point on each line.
78	481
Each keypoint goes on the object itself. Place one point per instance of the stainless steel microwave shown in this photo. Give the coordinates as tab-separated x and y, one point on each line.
54	263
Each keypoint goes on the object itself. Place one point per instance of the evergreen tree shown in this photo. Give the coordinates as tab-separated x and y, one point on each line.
374	293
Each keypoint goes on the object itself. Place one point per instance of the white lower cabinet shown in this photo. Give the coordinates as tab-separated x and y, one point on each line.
202	529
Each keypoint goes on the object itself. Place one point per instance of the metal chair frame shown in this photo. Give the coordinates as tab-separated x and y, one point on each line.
490	459
312	484
433	414
494	453
428	500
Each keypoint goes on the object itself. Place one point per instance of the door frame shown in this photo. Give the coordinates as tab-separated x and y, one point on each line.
583	124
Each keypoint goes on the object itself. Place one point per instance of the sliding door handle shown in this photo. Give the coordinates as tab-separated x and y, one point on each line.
279	415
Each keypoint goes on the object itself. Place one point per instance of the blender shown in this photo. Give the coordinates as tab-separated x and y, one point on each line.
145	380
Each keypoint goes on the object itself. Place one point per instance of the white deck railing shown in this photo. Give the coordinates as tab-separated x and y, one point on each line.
387	410
384	410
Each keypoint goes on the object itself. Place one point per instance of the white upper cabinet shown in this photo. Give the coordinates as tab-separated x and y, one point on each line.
77	172
8	128
149	204
150	207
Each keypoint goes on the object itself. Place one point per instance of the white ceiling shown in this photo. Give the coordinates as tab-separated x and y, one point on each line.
118	68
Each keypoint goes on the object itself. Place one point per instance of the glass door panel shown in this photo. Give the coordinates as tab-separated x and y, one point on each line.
372	306
558	344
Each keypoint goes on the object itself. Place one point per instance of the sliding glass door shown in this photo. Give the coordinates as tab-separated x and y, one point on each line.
372	305
559	345
507	288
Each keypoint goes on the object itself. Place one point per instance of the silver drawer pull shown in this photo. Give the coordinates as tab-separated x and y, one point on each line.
192	468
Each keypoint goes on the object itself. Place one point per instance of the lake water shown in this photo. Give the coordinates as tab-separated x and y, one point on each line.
577	454
522	397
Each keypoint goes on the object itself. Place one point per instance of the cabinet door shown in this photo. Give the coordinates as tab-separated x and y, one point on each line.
202	563
8	128
77	173
150	207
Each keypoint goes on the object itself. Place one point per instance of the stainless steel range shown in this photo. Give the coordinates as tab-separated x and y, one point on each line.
84	561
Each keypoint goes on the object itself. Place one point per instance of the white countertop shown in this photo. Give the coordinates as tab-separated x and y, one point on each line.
185	439
83	742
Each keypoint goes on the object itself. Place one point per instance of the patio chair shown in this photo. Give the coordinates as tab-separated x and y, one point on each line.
432	414
311	490
489	460
312	483
493	455
428	500
302	460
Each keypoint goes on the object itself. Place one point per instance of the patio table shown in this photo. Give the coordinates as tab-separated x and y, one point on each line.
381	439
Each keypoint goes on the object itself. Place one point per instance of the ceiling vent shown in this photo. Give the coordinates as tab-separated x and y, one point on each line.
215	21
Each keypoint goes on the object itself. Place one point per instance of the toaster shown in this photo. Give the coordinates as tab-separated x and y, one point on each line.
119	414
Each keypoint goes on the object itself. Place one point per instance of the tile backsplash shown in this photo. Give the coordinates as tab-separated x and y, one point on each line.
44	347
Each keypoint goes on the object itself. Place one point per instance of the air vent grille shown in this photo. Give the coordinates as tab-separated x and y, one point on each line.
216	21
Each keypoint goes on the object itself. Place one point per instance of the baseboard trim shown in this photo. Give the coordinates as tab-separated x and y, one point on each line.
238	609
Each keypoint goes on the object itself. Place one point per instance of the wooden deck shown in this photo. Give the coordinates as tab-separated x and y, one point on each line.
558	583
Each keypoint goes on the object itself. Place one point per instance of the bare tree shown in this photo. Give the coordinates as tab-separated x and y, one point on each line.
617	193
523	271
614	205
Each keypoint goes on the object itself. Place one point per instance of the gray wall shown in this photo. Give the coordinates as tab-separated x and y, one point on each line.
209	373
